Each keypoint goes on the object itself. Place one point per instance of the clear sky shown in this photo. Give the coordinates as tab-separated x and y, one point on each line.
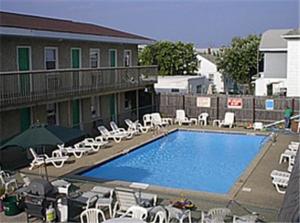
206	23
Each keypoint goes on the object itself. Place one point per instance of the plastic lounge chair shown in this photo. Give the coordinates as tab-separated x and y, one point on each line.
92	216
125	199
105	198
280	174
181	118
291	164
202	118
9	181
160	217
258	126
94	144
280	183
77	151
180	215
147	120
116	129
287	155
228	120
56	161
137	126
117	137
215	215
251	218
156	120
136	212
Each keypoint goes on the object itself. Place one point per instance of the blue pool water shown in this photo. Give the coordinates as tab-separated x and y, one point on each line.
210	162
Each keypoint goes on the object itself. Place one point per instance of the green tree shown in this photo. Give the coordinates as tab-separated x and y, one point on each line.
240	60
171	58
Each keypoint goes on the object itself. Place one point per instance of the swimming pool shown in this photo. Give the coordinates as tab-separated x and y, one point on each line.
202	161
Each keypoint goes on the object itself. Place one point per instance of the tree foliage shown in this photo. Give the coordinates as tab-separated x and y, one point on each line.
240	60
171	58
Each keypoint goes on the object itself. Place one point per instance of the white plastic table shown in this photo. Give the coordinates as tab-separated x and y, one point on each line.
124	220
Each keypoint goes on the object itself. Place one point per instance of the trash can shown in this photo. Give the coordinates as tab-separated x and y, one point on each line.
10	205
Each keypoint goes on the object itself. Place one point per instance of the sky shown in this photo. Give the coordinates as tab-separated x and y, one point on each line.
206	23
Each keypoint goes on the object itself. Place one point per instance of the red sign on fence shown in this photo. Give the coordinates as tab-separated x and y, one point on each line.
235	103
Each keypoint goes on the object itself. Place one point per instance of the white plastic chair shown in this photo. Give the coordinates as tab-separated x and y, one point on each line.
116	129
215	215
181	118
287	155
160	217
92	216
280	174
117	137
228	120
147	120
57	161
251	218
180	215
157	120
77	151
136	212
202	118
95	145
137	126
8	181
258	126
280	183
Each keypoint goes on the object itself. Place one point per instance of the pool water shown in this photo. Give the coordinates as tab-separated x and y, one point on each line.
202	161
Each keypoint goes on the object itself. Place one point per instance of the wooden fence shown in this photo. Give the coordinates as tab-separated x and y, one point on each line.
253	107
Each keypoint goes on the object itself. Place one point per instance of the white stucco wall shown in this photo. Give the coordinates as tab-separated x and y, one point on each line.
207	67
293	67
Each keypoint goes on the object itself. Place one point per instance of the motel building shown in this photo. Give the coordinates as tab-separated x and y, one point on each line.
71	74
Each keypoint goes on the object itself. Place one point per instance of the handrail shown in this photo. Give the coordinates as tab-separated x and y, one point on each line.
280	121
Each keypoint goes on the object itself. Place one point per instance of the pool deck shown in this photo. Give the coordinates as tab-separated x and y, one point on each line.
253	191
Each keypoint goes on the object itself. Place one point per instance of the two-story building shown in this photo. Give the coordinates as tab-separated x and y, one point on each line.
280	73
69	73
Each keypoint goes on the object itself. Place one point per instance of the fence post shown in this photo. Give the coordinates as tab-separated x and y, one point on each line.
253	109
293	104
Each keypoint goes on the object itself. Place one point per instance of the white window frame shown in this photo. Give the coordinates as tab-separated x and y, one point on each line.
95	50
124	57
116	53
56	56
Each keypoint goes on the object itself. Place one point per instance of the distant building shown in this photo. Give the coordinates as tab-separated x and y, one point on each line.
280	73
182	84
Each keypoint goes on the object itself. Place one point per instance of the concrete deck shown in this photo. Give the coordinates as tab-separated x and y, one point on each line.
254	191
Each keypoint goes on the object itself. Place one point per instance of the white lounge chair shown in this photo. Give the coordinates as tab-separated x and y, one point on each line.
215	215
125	199
280	183
202	118
250	218
228	120
92	215
94	144
77	151
258	126
160	217
9	181
287	155
157	120
291	164
38	160
107	135
280	174
137	126
136	212
116	129
147	120
181	118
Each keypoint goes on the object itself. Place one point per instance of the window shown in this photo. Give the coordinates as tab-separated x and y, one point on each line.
52	118
199	89
211	77
127	100
127	58
174	90
94	58
50	58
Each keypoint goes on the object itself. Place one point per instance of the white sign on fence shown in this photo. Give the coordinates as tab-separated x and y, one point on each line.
203	102
269	104
236	103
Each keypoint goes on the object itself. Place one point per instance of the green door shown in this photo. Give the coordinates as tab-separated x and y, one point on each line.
24	65
75	55
112	108
25	118
112	58
75	113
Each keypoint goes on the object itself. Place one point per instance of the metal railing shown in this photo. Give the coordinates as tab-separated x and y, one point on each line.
19	88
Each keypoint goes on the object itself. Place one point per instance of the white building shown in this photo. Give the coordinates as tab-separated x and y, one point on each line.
207	68
182	84
281	63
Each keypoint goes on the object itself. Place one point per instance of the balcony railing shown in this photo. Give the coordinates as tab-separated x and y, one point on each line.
21	88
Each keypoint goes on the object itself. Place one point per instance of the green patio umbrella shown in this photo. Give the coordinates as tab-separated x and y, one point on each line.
14	153
41	135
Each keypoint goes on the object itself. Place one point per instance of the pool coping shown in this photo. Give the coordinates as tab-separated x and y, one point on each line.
234	190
